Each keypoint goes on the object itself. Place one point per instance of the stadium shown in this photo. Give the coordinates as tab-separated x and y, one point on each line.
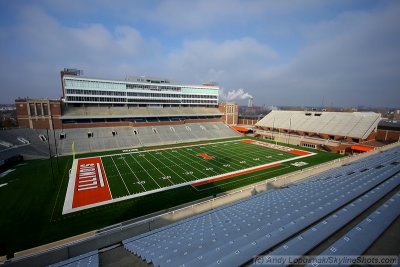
149	172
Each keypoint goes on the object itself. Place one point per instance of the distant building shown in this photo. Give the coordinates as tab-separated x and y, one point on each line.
135	92
94	102
38	113
231	113
388	131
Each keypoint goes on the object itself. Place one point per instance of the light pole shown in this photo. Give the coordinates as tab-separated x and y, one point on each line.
51	162
273	129
290	126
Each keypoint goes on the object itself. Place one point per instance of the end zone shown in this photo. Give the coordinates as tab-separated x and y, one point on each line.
87	184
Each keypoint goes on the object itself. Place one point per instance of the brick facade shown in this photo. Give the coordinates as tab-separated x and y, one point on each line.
231	113
388	135
38	113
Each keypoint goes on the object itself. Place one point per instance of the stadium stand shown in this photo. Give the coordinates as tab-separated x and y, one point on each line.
136	112
90	259
307	240
358	239
329	131
281	221
25	142
148	136
356	125
234	234
12	142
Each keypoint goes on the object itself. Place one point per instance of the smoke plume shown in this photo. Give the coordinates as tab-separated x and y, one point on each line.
235	94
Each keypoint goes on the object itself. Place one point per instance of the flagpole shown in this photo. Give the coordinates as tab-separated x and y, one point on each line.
273	129
73	152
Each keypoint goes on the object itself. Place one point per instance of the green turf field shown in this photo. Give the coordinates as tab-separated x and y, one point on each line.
32	199
134	173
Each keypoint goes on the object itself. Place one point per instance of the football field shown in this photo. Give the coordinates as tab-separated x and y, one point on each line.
106	179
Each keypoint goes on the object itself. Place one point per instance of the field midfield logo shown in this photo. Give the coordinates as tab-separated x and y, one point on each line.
205	156
90	176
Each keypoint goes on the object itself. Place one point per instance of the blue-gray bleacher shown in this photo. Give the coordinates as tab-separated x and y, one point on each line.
307	240
149	136
358	239
90	259
350	124
183	132
145	136
167	134
25	141
234	234
103	139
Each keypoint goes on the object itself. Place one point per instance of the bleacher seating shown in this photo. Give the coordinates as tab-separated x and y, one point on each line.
234	234
307	240
25	142
348	124
140	112
103	139
358	239
90	259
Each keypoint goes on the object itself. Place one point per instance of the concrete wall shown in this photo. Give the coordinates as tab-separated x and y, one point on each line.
134	124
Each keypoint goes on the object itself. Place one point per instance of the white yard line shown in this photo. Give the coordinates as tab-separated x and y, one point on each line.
179	185
169	168
109	187
255	154
120	174
174	164
69	195
168	179
198	163
145	171
213	151
165	148
243	156
186	163
6	172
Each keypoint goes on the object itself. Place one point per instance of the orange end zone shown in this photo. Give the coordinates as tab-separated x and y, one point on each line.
248	141
91	185
235	174
299	152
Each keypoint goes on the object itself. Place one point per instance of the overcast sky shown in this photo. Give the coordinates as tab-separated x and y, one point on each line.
340	53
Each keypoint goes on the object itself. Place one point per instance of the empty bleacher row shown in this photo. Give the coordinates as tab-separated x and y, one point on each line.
136	112
35	142
29	142
358	239
307	240
90	259
125	137
347	124
288	220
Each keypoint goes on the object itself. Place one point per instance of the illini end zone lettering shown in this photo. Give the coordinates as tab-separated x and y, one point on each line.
91	184
87	177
